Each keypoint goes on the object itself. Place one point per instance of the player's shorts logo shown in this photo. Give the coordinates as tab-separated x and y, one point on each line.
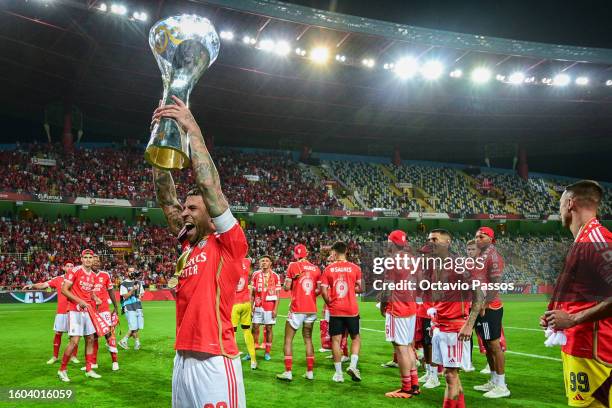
341	289
240	285
307	285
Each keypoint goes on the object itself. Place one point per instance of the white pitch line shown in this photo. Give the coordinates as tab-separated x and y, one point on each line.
533	355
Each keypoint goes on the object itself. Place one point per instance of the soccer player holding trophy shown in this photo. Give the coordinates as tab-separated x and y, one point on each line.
207	369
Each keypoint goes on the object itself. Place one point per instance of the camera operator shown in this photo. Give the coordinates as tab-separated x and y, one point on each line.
131	291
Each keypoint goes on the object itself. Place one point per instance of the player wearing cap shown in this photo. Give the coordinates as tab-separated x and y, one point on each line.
489	323
452	322
60	326
399	307
104	291
580	310
207	370
303	279
241	312
78	287
266	289
340	283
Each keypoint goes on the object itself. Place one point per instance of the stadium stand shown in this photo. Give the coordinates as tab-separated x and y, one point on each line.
33	250
120	172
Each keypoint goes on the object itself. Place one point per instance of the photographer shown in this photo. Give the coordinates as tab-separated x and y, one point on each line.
131	291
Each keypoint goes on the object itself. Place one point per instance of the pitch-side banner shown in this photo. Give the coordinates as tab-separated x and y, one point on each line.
277	210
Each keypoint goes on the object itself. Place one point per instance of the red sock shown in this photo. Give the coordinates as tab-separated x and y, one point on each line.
57	341
309	363
406	383
414	376
394	357
75	351
95	352
288	363
65	359
88	362
449	403
112	344
461	401
114	357
440	369
268	347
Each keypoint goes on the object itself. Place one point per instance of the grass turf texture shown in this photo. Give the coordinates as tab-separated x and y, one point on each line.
145	376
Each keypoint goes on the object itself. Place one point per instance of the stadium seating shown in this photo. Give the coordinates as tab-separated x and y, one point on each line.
120	172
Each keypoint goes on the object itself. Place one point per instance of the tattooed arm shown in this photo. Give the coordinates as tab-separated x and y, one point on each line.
477	302
205	172
167	200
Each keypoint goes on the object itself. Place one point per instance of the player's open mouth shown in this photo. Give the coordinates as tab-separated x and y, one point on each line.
185	230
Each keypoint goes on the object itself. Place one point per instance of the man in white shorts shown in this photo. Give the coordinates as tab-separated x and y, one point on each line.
60	325
207	371
304	281
105	294
266	289
78	287
399	307
452	326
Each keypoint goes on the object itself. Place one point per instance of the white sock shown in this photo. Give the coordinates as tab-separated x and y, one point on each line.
338	368
493	377
434	370
501	380
354	359
137	341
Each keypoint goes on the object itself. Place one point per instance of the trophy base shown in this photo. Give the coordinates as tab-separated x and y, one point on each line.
166	158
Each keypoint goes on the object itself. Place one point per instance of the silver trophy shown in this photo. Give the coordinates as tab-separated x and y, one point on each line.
184	47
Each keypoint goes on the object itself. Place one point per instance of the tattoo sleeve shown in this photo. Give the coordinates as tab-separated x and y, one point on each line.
206	175
491	294
477	303
167	200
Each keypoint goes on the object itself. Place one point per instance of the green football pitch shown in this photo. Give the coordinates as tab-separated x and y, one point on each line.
533	372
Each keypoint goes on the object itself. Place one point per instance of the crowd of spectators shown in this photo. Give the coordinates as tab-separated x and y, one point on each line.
274	179
33	250
120	172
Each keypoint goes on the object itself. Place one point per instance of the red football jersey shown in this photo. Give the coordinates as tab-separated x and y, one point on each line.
82	285
402	303
452	309
303	288
493	267
266	289
587	265
243	294
62	301
340	278
103	283
205	293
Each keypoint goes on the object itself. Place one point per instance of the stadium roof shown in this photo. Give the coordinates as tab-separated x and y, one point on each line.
59	51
